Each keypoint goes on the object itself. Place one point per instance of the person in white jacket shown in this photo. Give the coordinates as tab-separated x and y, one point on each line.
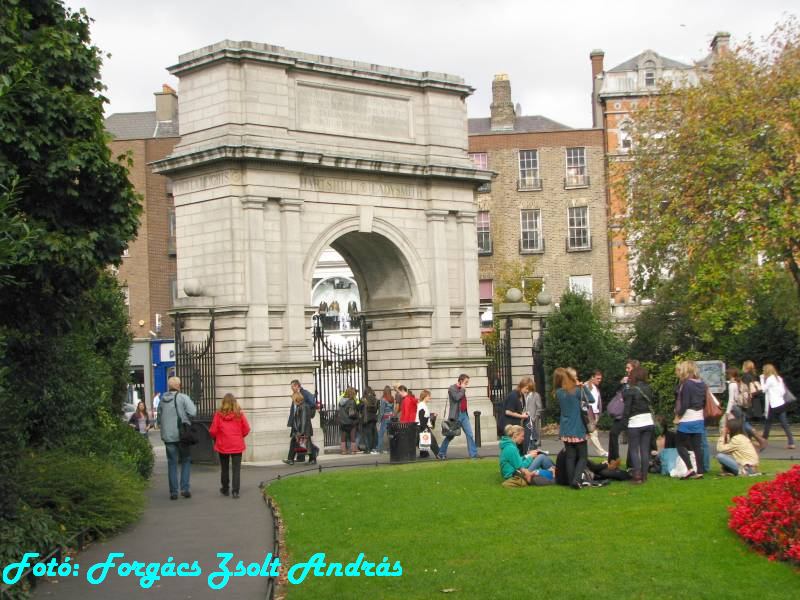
774	390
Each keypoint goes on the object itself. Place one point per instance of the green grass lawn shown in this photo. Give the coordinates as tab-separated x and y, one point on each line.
453	527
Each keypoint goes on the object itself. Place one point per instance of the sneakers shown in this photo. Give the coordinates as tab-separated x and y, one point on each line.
223	491
186	494
235	495
373	451
790	447
313	461
287	461
173	496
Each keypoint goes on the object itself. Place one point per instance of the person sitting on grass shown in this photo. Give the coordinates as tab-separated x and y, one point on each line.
735	451
532	469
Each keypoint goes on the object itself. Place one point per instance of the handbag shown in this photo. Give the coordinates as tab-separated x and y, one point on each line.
788	396
712	409
301	444
450	427
616	408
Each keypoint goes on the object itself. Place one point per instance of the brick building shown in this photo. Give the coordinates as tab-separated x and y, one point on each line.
148	273
616	94
548	199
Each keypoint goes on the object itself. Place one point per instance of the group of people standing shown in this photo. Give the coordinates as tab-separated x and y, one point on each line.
370	418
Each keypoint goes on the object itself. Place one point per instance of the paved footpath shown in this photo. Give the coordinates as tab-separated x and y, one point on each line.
207	523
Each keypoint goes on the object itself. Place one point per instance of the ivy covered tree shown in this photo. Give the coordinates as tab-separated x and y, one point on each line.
714	182
69	210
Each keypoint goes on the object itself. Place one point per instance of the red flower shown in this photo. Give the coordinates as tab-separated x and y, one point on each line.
768	518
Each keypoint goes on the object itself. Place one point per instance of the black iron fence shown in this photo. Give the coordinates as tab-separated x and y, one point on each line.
499	371
342	364
194	365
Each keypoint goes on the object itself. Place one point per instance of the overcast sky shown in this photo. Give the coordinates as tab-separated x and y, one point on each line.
543	46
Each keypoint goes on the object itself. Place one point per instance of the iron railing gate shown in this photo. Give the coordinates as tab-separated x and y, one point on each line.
499	372
340	366
194	365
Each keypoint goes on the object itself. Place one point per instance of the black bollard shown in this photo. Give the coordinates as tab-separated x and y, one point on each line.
477	414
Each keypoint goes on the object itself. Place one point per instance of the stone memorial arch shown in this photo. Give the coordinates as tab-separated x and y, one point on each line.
283	154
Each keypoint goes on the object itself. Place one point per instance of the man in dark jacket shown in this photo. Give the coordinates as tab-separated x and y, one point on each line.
175	407
457	398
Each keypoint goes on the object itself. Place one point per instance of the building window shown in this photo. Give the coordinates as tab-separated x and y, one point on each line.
125	252
484	233
578	224
576	168
126	297
649	73
531	239
581	284
173	288
529	170
486	298
481	161
172	231
624	135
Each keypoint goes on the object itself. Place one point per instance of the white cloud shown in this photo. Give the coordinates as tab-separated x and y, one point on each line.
543	46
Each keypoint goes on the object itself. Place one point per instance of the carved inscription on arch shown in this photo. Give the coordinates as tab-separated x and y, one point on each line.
352	112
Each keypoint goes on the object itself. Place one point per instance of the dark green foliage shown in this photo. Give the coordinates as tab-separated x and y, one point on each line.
578	336
116	442
81	491
31	530
53	145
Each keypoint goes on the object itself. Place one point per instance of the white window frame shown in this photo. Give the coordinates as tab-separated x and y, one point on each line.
480	160
577	169
572	227
525	215
528	170
484	229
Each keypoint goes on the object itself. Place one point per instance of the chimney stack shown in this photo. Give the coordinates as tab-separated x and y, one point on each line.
166	104
720	45
596	56
502	109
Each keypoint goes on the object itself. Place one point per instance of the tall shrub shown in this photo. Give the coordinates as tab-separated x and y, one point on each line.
579	336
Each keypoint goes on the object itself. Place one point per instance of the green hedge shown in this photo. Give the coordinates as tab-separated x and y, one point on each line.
81	491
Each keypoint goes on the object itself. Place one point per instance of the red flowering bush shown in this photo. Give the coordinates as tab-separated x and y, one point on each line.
768	517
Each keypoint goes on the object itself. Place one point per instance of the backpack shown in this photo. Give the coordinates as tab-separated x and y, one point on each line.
743	399
371	408
352	411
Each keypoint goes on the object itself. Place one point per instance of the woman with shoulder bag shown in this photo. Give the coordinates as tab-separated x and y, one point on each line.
739	400
572	431
638	398
775	392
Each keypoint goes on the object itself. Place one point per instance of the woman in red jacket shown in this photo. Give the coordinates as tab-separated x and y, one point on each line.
229	428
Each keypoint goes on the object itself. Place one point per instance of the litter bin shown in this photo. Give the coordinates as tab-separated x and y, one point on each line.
402	441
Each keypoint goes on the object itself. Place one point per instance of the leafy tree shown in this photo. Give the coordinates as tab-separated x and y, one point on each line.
68	211
714	183
53	143
579	335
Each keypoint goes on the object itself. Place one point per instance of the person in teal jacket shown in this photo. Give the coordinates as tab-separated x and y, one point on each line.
536	468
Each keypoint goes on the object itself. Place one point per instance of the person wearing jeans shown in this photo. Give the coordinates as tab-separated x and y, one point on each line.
637	413
175	409
457	397
385	412
735	451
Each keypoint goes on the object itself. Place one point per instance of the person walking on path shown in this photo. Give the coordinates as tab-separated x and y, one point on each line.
228	429
775	392
139	420
175	410
457	397
595	403
572	431
301	432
